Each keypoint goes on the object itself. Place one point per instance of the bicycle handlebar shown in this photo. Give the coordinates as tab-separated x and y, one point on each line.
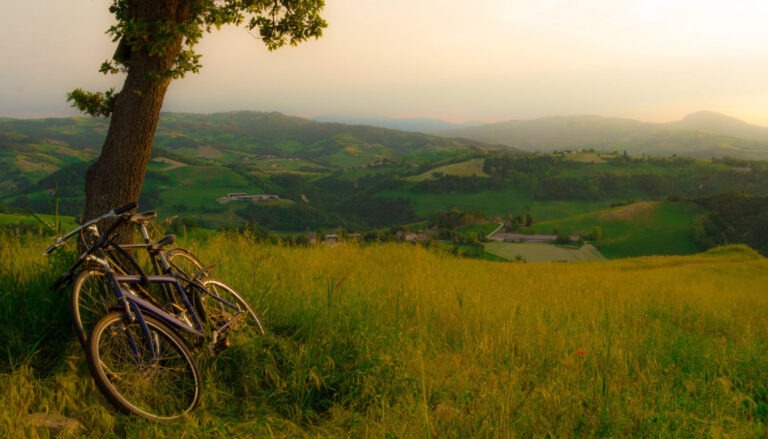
130	206
111	214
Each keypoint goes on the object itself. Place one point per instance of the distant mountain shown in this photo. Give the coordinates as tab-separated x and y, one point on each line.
280	135
420	125
222	137
715	123
703	135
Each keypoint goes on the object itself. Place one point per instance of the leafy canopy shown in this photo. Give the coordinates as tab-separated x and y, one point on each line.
279	22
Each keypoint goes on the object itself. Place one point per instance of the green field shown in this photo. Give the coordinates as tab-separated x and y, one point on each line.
644	228
395	340
42	222
196	189
463	169
497	202
536	252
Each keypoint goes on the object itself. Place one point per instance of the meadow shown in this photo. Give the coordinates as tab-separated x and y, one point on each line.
496	202
643	228
394	340
540	252
469	168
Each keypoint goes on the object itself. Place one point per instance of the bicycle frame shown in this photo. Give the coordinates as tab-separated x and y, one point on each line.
135	306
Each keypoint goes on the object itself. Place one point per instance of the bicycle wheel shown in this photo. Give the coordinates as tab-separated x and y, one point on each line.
159	387
182	261
220	303
91	298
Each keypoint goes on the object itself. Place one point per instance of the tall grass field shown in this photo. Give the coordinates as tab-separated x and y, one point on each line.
396	341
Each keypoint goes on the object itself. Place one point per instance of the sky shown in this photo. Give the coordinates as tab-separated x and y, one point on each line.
456	60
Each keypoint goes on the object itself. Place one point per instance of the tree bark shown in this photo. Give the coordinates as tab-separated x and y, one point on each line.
116	178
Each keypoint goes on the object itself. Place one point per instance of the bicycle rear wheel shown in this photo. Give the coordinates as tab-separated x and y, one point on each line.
184	262
150	373
91	298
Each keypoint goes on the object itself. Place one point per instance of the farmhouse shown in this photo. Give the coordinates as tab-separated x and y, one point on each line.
242	196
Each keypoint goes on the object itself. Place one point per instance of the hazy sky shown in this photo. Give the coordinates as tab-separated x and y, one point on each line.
459	60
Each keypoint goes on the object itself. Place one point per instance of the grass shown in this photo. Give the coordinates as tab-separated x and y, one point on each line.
67	222
537	252
497	202
394	340
643	228
462	169
207	183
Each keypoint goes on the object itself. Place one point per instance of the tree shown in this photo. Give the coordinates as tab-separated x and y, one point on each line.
156	40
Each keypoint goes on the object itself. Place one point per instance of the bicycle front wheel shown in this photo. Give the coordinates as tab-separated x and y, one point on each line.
150	373
221	303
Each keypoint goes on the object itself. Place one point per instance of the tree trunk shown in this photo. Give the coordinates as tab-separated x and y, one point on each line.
116	178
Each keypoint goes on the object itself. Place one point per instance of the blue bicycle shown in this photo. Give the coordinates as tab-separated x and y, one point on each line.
136	353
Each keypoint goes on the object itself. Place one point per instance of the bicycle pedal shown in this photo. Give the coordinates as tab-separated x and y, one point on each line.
221	345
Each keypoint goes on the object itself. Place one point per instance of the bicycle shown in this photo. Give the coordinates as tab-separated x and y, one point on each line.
136	357
90	298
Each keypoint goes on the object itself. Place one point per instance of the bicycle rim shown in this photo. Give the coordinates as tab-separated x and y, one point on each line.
222	303
161	387
91	298
184	262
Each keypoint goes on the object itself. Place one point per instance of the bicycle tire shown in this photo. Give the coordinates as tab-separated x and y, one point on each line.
216	312
184	262
164	388
91	298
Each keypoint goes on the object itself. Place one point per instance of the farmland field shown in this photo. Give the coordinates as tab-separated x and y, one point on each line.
637	229
463	169
536	252
497	202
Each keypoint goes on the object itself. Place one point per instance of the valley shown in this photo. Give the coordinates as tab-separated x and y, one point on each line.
358	178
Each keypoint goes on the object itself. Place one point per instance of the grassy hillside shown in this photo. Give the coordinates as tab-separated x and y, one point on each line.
496	202
469	168
359	178
396	341
636	229
41	223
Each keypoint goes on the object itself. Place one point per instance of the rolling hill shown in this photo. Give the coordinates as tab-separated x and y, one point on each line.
332	175
699	135
198	158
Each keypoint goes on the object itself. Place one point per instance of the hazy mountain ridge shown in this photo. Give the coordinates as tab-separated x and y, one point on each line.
282	135
422	125
703	134
225	138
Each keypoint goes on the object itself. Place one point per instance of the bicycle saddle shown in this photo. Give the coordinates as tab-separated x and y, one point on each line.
143	217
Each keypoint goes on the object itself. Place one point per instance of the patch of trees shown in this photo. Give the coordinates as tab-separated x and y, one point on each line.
443	183
455	218
733	218
381	212
297	188
511	166
516	223
70	175
551	177
297	216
